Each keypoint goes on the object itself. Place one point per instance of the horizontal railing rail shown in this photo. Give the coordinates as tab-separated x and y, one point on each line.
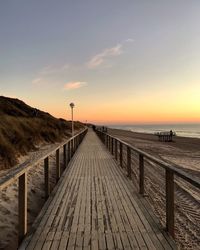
116	146
20	173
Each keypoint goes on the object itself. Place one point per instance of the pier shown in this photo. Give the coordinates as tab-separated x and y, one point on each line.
100	199
96	206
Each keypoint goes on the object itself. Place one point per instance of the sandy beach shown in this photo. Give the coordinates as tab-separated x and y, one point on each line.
36	198
183	153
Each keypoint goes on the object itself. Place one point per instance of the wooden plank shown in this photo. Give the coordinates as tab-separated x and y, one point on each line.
158	238
49	240
169	182
56	240
87	228
112	146
69	152
121	154
123	222
116	149
65	156
141	174
68	211
95	207
129	162
133	223
115	210
64	240
22	207
74	226
46	177
46	221
49	207
57	164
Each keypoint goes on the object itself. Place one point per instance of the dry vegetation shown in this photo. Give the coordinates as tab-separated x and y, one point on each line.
22	128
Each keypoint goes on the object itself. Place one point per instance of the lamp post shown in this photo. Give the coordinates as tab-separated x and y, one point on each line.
72	106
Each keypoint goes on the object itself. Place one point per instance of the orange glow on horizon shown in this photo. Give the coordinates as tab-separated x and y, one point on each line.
145	118
163	106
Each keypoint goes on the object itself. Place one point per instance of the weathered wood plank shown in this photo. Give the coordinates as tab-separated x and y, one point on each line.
22	207
95	207
57	164
46	177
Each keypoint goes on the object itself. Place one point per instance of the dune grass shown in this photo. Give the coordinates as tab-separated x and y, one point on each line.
22	128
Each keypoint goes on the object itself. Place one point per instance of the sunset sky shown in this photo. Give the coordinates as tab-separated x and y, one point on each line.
119	61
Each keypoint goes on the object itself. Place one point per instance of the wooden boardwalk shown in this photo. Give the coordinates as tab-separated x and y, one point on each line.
95	206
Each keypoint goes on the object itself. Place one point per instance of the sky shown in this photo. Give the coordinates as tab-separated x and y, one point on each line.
119	61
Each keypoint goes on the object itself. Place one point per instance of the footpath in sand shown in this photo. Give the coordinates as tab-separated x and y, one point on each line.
183	153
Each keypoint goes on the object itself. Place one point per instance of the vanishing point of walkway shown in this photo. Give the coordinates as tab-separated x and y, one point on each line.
95	206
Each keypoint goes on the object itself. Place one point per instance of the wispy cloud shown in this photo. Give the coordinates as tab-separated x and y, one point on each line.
100	58
36	80
129	40
74	85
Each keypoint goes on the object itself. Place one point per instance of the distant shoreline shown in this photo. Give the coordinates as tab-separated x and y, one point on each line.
181	130
138	139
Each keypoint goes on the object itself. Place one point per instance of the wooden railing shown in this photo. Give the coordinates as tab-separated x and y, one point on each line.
116	146
20	174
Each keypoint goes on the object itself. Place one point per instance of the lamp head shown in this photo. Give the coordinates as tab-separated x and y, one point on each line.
71	105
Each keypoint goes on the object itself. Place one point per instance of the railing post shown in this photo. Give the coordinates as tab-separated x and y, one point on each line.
72	147
57	164
75	142
46	177
169	201
116	149
22	206
68	152
112	145
107	141
121	154
128	161
64	156
141	174
79	139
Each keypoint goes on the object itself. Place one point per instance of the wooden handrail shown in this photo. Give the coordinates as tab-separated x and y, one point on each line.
180	173
170	172
21	170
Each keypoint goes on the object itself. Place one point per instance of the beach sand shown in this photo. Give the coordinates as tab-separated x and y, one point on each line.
183	153
36	198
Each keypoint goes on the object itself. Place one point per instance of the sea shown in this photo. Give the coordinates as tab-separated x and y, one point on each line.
185	130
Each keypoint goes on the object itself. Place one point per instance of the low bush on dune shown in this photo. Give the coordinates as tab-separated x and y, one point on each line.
22	128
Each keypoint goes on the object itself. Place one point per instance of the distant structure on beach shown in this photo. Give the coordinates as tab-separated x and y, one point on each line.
166	136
